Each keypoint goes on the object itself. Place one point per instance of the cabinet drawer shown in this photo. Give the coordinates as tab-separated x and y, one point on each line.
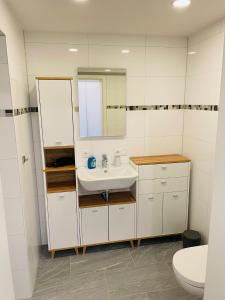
175	212
62	220
172	170
121	222
149	220
163	185
94	225
164	171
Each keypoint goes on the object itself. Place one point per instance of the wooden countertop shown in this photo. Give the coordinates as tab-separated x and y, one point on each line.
159	159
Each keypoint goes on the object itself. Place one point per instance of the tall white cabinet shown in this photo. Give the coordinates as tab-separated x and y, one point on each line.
55	108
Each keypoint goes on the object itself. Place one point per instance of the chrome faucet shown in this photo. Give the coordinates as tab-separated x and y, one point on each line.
104	161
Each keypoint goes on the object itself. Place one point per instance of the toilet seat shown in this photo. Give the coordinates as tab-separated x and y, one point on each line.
190	264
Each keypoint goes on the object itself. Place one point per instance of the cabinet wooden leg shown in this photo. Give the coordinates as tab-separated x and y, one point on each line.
139	243
52	254
84	249
76	251
132	244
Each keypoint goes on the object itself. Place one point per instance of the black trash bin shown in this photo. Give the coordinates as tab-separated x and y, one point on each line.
191	238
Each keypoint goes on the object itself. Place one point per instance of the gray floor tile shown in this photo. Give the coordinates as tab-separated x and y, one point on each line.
101	261
86	281
172	294
140	280
91	294
163	253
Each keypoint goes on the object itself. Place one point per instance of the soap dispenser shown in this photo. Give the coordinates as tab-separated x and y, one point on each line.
91	162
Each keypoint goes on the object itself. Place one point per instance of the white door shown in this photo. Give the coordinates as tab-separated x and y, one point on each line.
149	218
121	222
56	112
63	231
94	225
175	212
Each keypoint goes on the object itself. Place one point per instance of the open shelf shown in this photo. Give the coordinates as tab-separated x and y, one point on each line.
60	181
60	169
114	199
54	153
62	178
121	198
61	187
91	201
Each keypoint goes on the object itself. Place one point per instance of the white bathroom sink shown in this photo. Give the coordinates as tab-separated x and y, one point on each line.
107	179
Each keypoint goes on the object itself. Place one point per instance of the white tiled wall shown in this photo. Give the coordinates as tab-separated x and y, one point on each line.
21	214
203	87
156	69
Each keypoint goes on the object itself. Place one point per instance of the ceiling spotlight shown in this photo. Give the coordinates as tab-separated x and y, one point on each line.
80	1
107	70
73	50
192	52
181	3
125	51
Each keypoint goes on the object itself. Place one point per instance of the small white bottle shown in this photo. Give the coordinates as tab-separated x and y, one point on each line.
117	159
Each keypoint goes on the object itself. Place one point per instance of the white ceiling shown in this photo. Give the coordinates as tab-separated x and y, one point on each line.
156	17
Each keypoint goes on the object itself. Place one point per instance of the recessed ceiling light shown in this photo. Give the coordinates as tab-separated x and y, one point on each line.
107	70
192	52
73	50
181	3
125	51
80	1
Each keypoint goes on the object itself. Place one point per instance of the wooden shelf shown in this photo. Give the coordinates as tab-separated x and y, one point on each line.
60	169
159	159
60	188
114	199
59	147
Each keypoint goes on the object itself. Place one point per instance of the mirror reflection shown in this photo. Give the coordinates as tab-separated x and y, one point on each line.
102	102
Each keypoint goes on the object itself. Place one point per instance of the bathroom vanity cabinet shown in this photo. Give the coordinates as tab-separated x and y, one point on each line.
155	205
163	192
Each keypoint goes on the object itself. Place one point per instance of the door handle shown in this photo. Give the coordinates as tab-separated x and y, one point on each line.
24	159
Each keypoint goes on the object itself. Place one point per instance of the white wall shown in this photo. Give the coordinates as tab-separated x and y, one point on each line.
16	140
204	69
215	288
6	280
156	70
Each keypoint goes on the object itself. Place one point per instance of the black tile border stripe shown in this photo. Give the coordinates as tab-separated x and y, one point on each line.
17	111
166	107
25	110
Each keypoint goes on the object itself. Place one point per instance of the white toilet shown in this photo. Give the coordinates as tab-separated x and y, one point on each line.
189	266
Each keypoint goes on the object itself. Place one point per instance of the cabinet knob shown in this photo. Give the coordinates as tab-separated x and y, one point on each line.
95	211
175	195
121	208
58	142
150	198
61	197
164	167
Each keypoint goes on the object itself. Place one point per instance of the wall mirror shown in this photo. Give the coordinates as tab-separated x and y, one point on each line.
102	102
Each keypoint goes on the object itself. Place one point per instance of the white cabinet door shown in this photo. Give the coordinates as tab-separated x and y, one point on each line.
62	220
121	222
175	212
94	225
149	217
55	98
